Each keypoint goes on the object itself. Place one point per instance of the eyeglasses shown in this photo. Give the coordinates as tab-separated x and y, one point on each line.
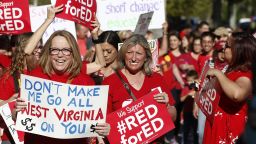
65	51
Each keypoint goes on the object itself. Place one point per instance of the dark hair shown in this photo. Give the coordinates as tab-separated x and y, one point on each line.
193	42
243	48
209	34
177	35
13	41
202	23
110	37
192	73
5	42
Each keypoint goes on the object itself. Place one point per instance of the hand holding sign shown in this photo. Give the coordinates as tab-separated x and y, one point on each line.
19	106
162	98
96	28
102	129
78	11
212	72
51	11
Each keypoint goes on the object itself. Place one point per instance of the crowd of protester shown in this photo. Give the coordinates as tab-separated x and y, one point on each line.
94	58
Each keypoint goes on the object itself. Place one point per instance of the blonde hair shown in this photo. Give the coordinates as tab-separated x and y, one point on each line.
76	63
130	42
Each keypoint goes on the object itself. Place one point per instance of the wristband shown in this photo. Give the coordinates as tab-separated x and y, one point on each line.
165	33
96	41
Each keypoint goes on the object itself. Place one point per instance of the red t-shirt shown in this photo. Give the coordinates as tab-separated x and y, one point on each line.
166	63
7	89
82	46
5	61
193	61
201	61
118	93
81	79
230	117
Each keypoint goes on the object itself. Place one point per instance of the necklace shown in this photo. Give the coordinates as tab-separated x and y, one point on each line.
136	81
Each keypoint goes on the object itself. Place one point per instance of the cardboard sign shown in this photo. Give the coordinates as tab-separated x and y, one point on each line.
143	23
78	11
38	15
124	14
208	96
61	110
14	17
6	114
142	121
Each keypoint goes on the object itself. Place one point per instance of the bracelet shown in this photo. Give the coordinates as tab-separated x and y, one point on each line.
165	33
96	41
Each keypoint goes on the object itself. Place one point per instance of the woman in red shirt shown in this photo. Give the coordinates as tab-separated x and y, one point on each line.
236	84
134	59
60	61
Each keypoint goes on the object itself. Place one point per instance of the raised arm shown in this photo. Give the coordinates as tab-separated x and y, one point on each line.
164	43
237	90
33	41
99	61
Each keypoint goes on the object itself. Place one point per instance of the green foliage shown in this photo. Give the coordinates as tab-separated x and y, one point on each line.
189	8
40	2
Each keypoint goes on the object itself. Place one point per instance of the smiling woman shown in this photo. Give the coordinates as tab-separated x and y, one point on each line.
236	88
60	61
134	60
64	55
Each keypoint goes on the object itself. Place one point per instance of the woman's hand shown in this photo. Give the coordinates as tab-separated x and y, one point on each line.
212	72
96	30
162	98
51	11
102	129
165	27
20	105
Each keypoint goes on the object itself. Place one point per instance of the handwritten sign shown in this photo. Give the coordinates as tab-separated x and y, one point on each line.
143	23
14	17
61	110
78	11
38	14
6	114
124	14
140	122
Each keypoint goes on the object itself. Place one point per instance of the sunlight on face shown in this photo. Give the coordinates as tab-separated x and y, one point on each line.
60	61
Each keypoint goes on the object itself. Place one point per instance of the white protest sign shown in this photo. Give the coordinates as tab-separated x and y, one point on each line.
6	114
61	110
143	23
124	14
38	15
